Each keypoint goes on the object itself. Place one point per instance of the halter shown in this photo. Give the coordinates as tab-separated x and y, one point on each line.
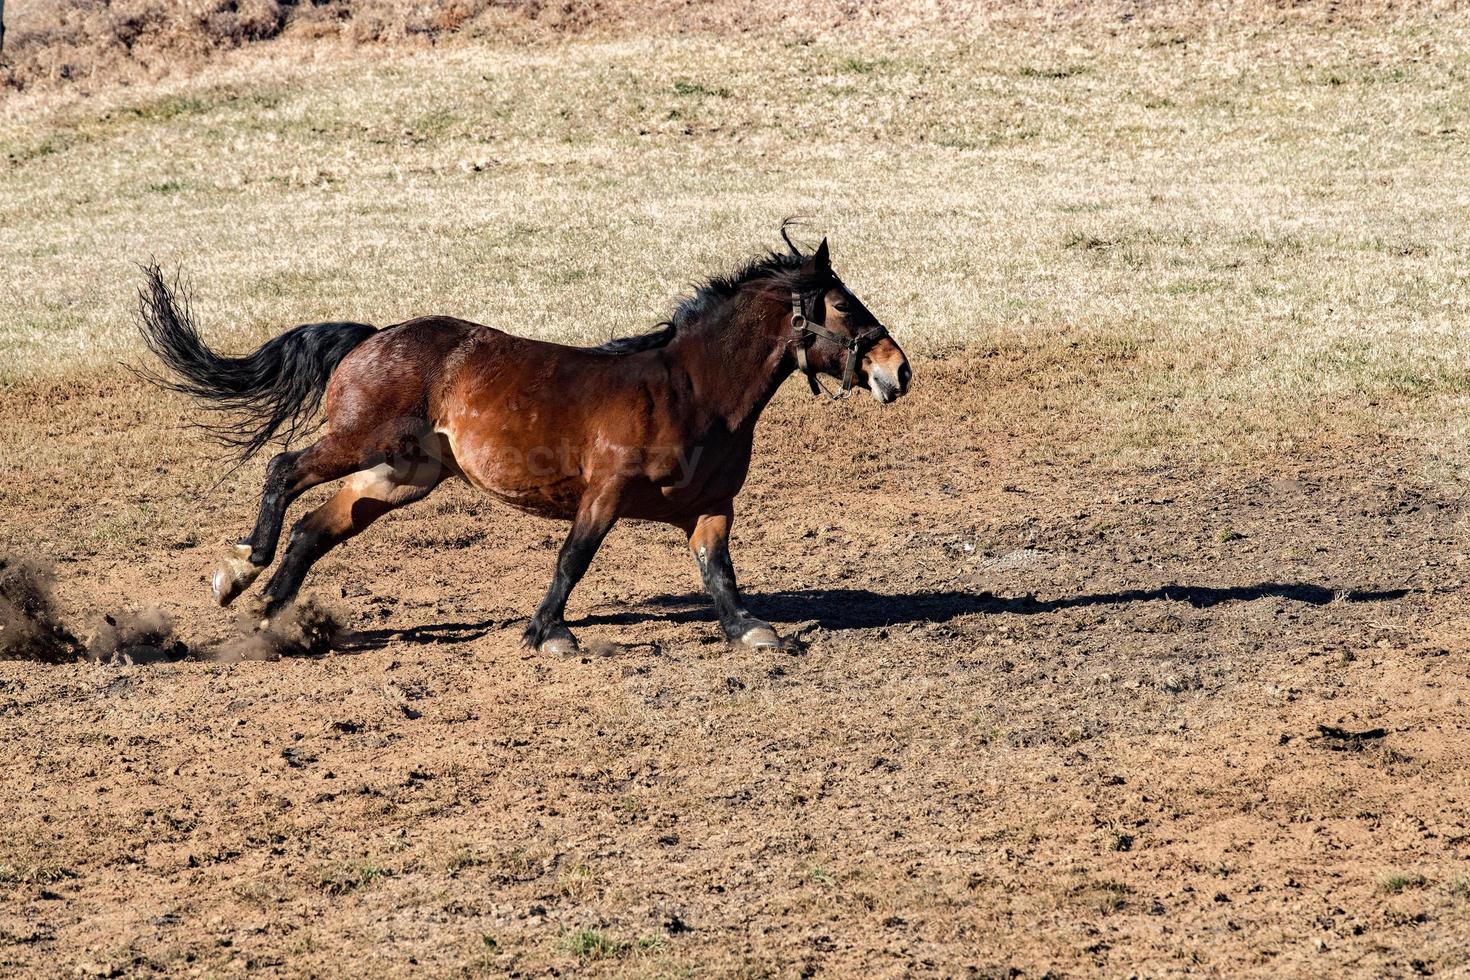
804	331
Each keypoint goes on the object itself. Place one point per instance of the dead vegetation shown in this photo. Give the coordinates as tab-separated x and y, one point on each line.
101	42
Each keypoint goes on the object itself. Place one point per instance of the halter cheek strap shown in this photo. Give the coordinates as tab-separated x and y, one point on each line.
804	332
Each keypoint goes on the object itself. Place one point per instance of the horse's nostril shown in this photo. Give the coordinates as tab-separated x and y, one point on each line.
904	374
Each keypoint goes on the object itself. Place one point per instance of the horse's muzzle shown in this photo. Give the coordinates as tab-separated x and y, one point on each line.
888	383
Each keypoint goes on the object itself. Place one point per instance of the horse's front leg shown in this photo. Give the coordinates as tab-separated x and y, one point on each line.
709	540
548	632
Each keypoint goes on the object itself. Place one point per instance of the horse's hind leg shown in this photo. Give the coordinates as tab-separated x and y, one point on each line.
287	476
366	496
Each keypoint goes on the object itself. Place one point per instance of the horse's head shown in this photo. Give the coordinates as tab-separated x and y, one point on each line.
833	333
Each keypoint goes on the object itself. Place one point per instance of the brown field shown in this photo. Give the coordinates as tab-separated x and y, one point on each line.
1083	627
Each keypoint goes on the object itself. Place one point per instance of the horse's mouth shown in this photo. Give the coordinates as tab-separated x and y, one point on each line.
883	392
886	384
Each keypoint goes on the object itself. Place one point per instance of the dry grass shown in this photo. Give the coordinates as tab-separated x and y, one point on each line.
96	43
1215	239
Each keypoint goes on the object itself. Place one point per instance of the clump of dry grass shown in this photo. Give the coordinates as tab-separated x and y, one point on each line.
91	40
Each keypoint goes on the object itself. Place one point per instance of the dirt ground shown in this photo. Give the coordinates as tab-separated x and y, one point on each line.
1047	714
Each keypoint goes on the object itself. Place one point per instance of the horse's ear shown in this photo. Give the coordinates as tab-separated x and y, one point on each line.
789	243
821	258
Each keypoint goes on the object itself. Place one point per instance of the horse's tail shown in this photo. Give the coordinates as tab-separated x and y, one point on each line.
278	384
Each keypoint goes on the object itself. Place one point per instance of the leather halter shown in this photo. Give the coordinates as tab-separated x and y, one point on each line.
804	332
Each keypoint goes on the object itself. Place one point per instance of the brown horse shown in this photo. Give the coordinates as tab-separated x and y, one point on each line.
657	427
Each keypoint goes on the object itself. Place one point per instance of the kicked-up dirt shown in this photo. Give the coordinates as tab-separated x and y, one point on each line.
1043	712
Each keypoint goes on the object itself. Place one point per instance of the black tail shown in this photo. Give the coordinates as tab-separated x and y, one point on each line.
278	384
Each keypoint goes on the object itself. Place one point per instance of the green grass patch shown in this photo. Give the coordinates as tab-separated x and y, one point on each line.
591	944
1402	882
864	66
688	88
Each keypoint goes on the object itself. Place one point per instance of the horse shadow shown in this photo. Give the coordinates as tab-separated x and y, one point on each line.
837	609
866	609
427	634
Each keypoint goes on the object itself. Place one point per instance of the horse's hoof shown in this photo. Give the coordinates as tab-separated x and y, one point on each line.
564	645
233	577
760	638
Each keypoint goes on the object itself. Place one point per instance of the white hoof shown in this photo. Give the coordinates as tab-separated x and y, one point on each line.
560	646
761	638
233	577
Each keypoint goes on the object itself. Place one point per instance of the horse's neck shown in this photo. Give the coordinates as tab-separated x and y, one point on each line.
738	360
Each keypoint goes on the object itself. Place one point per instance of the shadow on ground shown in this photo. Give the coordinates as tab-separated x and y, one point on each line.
865	609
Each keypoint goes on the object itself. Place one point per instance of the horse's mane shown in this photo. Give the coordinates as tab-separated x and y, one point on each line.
779	268
657	337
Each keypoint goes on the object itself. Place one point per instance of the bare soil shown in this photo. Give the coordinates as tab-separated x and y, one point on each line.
1044	713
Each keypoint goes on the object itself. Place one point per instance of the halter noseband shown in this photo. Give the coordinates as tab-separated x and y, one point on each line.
804	331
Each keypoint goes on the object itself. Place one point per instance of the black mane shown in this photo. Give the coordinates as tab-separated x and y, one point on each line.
659	336
785	268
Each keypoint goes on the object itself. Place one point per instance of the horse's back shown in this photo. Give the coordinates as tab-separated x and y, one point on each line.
442	360
398	372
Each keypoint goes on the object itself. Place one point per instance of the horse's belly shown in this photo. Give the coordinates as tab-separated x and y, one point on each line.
539	480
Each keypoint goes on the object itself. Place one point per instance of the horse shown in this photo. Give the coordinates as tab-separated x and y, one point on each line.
657	427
